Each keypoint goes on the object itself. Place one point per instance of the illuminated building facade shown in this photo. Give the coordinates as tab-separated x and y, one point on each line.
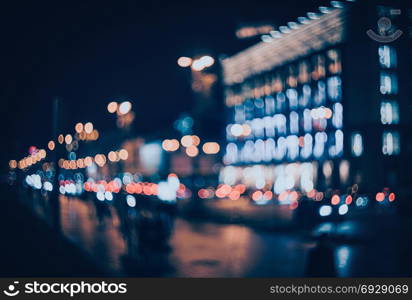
317	105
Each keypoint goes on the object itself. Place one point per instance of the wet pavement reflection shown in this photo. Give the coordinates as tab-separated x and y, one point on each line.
215	250
206	249
102	240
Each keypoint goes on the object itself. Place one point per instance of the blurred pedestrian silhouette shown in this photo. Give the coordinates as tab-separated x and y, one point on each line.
102	211
321	262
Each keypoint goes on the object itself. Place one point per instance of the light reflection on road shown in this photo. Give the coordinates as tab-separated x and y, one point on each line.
210	250
103	241
199	249
205	249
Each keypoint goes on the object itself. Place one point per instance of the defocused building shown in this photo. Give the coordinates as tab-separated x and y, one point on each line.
323	103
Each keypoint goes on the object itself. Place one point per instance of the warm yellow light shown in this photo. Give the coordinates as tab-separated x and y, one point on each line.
170	145
123	154
88	127
184	61
166	145
80	163
60	162
112	107
35	158
51	145
42	153
68	139
73	164
88	161
195	140
174	145
100	159
192	151
82	135
29	160
186	141
94	135
211	148
78	127
22	164
60	139
112	156
13	164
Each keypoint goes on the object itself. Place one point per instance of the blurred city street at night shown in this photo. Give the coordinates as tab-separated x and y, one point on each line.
232	139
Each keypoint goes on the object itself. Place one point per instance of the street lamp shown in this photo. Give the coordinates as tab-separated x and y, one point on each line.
124	108
184	61
123	111
112	107
121	108
197	64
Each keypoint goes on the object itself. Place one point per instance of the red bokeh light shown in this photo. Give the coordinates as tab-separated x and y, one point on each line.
380	197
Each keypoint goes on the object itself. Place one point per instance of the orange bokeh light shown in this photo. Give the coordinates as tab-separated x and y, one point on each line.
335	200
257	195
192	151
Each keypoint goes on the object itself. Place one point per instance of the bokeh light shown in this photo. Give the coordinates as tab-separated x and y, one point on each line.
211	148
186	141
51	145
170	145
184	61
123	154
192	151
68	139
13	164
88	127
112	107
125	107
335	200
79	127
113	157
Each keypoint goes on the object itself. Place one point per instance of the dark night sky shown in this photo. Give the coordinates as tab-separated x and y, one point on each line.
92	52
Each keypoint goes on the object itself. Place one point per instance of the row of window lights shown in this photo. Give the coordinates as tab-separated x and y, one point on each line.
389	110
288	147
390	143
291	147
280	124
278	103
295	74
